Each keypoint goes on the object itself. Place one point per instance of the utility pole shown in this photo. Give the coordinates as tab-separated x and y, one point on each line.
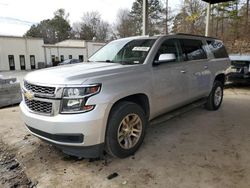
208	19
145	17
247	17
166	17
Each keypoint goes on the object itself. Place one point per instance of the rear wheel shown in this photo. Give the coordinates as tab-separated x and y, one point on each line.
216	96
126	129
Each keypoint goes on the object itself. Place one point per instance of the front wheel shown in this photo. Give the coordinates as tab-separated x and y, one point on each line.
216	96
126	129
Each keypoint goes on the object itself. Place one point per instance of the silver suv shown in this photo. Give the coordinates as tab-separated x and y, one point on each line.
107	102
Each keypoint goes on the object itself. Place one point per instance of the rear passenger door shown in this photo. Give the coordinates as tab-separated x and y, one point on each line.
196	66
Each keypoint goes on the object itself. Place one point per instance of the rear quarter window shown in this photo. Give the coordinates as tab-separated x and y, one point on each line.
192	49
217	48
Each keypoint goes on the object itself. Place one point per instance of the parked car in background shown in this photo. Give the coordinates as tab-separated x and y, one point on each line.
239	71
70	61
107	103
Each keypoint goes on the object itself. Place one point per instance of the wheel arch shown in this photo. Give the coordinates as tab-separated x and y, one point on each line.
140	99
220	77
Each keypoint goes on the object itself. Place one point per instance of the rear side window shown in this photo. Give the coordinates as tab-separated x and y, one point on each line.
192	49
217	48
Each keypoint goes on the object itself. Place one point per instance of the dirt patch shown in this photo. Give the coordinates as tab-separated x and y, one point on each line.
11	171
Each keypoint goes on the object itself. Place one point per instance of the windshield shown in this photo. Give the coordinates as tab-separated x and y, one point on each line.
124	51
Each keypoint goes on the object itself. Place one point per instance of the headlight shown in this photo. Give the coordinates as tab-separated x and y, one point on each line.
75	98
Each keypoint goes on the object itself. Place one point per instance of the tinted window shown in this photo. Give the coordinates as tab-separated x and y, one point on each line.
192	50
169	46
217	48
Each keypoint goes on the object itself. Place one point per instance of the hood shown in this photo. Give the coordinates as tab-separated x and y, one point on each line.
74	73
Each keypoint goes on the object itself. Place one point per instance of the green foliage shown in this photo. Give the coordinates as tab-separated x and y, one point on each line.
52	30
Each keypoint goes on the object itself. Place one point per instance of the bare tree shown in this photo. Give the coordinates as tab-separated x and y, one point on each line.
91	26
124	26
191	18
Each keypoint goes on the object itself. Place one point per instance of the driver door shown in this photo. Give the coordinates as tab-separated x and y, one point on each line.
169	78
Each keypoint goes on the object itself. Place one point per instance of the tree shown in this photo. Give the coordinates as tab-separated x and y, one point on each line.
60	25
191	18
52	30
92	26
155	17
124	25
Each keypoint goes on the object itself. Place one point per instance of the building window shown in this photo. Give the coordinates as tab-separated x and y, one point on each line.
81	58
62	58
70	56
32	62
53	59
22	62
11	62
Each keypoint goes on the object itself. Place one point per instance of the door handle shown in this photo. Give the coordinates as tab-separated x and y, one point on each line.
183	71
205	67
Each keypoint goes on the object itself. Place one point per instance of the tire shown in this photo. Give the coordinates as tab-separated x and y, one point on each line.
126	119
215	98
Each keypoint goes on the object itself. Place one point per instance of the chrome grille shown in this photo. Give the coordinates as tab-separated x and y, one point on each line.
39	89
39	106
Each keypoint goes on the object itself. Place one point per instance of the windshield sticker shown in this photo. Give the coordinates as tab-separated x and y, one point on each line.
136	62
141	48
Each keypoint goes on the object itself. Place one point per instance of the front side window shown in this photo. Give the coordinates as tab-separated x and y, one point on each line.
170	46
127	51
192	49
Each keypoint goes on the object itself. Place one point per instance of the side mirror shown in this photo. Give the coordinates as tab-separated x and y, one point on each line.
164	58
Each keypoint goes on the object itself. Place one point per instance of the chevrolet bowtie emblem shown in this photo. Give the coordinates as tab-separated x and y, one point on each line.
29	95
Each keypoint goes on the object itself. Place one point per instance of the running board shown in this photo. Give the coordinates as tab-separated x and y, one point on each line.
165	117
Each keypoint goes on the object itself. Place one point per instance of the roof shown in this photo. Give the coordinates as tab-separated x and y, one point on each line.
71	43
239	57
216	1
68	43
20	37
192	35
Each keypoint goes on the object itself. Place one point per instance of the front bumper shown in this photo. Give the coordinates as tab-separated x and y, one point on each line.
91	125
238	77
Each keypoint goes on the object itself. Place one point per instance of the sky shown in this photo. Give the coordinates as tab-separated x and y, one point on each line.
16	16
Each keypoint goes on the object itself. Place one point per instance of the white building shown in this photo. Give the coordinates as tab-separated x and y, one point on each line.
20	53
70	49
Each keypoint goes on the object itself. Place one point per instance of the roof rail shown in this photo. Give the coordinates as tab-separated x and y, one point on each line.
194	35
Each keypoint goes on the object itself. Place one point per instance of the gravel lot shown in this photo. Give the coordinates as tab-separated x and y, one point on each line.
197	149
